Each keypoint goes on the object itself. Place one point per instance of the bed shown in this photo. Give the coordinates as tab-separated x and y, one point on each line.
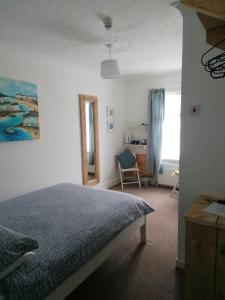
77	229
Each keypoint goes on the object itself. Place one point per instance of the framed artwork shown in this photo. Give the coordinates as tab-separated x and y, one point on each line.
19	117
110	125
110	111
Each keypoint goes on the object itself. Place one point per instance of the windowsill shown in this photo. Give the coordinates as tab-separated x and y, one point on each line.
172	161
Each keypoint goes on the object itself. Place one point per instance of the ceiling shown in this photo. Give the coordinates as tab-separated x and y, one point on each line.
146	34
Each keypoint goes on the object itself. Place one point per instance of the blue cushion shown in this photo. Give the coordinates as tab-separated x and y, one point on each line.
13	245
126	159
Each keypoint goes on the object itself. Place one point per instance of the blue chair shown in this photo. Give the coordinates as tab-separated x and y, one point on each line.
127	163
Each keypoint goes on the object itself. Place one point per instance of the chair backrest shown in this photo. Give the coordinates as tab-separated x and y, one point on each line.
126	159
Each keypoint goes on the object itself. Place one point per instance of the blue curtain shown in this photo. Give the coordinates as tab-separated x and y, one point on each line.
91	134
156	117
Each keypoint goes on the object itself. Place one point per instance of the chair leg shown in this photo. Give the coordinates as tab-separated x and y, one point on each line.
121	179
139	182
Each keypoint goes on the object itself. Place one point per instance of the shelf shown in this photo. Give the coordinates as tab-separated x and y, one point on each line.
213	8
215	30
138	149
142	125
212	16
136	145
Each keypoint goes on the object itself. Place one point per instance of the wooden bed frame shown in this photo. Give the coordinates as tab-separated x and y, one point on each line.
72	282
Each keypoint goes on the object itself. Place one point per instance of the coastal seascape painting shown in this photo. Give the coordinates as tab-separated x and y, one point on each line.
19	118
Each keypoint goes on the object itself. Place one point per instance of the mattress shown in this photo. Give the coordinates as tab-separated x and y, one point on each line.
71	223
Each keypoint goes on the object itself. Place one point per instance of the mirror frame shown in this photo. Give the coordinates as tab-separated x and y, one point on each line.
83	99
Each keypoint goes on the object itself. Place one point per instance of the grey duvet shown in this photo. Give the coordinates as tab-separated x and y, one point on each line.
70	223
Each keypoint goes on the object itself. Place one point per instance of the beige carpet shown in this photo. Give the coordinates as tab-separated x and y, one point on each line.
137	272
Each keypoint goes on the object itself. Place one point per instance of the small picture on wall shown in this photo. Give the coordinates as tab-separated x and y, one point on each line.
19	117
110	111
110	125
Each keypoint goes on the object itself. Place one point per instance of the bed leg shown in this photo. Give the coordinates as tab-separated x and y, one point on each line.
144	232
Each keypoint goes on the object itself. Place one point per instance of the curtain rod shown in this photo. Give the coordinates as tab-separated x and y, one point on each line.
173	87
166	88
169	89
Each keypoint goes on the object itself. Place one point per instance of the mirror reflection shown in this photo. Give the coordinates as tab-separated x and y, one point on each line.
89	119
89	139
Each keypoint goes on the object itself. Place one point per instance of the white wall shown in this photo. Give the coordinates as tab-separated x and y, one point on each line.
56	157
137	88
202	163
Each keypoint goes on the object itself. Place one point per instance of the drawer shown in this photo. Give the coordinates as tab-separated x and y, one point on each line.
142	164
143	172
199	286
141	158
220	295
200	248
220	266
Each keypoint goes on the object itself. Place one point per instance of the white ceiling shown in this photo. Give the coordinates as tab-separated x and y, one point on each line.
146	34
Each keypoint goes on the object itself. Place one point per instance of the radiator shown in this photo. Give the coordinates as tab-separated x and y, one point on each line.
168	169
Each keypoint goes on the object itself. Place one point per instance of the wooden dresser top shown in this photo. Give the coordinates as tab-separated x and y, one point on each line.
196	213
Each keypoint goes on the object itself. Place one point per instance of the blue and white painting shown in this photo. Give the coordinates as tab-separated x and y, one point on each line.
19	118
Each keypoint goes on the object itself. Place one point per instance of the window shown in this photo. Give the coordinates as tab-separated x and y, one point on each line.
171	127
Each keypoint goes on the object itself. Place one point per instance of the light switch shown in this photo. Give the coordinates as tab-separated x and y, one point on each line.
195	110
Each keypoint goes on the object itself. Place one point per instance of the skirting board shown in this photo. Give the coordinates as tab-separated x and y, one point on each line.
110	184
180	264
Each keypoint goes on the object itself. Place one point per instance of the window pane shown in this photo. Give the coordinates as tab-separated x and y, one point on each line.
171	127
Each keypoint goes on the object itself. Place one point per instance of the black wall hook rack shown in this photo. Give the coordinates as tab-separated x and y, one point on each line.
216	65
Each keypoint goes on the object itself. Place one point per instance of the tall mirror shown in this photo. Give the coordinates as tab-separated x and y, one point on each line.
89	139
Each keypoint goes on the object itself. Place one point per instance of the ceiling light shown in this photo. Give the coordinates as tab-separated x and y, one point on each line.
109	67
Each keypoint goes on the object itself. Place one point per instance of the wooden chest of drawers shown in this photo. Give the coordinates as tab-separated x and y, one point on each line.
205	253
142	164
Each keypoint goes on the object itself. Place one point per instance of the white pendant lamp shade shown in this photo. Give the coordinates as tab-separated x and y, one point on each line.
110	69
